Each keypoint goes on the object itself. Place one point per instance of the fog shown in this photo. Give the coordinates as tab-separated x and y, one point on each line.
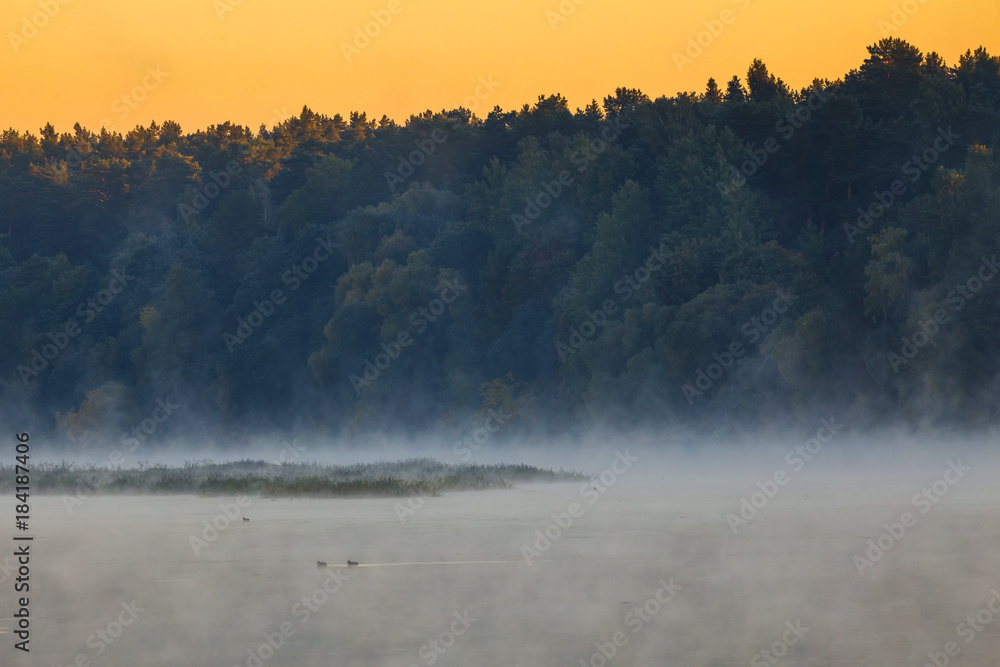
819	548
747	332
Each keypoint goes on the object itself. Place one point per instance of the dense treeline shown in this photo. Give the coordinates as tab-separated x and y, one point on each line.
744	255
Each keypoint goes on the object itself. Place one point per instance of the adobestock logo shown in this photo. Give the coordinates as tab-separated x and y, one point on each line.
59	341
790	637
565	9
475	440
901	14
103	638
967	630
128	102
218	525
592	491
929	328
629	285
293	277
915	167
796	459
435	648
419	320
924	500
223	7
38	20
696	44
426	147
786	127
408	165
754	329
363	36
550	191
636	620
220	180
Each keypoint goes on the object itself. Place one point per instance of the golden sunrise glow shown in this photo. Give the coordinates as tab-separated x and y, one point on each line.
201	62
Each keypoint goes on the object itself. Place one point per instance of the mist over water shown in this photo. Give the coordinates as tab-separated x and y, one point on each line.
676	378
821	549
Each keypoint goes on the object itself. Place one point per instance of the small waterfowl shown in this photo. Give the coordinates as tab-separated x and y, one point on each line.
352	563
320	563
245	519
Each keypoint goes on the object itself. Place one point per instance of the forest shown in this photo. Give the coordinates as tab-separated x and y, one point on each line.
748	256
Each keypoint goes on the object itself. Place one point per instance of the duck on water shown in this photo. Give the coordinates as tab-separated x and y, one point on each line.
350	563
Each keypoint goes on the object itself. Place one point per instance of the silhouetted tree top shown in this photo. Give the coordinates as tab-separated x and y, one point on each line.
341	273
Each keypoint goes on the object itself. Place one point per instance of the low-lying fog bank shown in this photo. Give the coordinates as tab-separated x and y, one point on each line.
822	550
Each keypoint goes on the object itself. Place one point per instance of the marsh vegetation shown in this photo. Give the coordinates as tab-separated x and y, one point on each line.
423	476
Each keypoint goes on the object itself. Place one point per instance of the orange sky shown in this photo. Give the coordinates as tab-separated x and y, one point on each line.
259	61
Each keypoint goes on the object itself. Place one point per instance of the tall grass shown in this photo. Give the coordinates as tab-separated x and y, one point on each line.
422	476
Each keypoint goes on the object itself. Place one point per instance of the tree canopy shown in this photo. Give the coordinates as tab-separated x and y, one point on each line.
752	254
